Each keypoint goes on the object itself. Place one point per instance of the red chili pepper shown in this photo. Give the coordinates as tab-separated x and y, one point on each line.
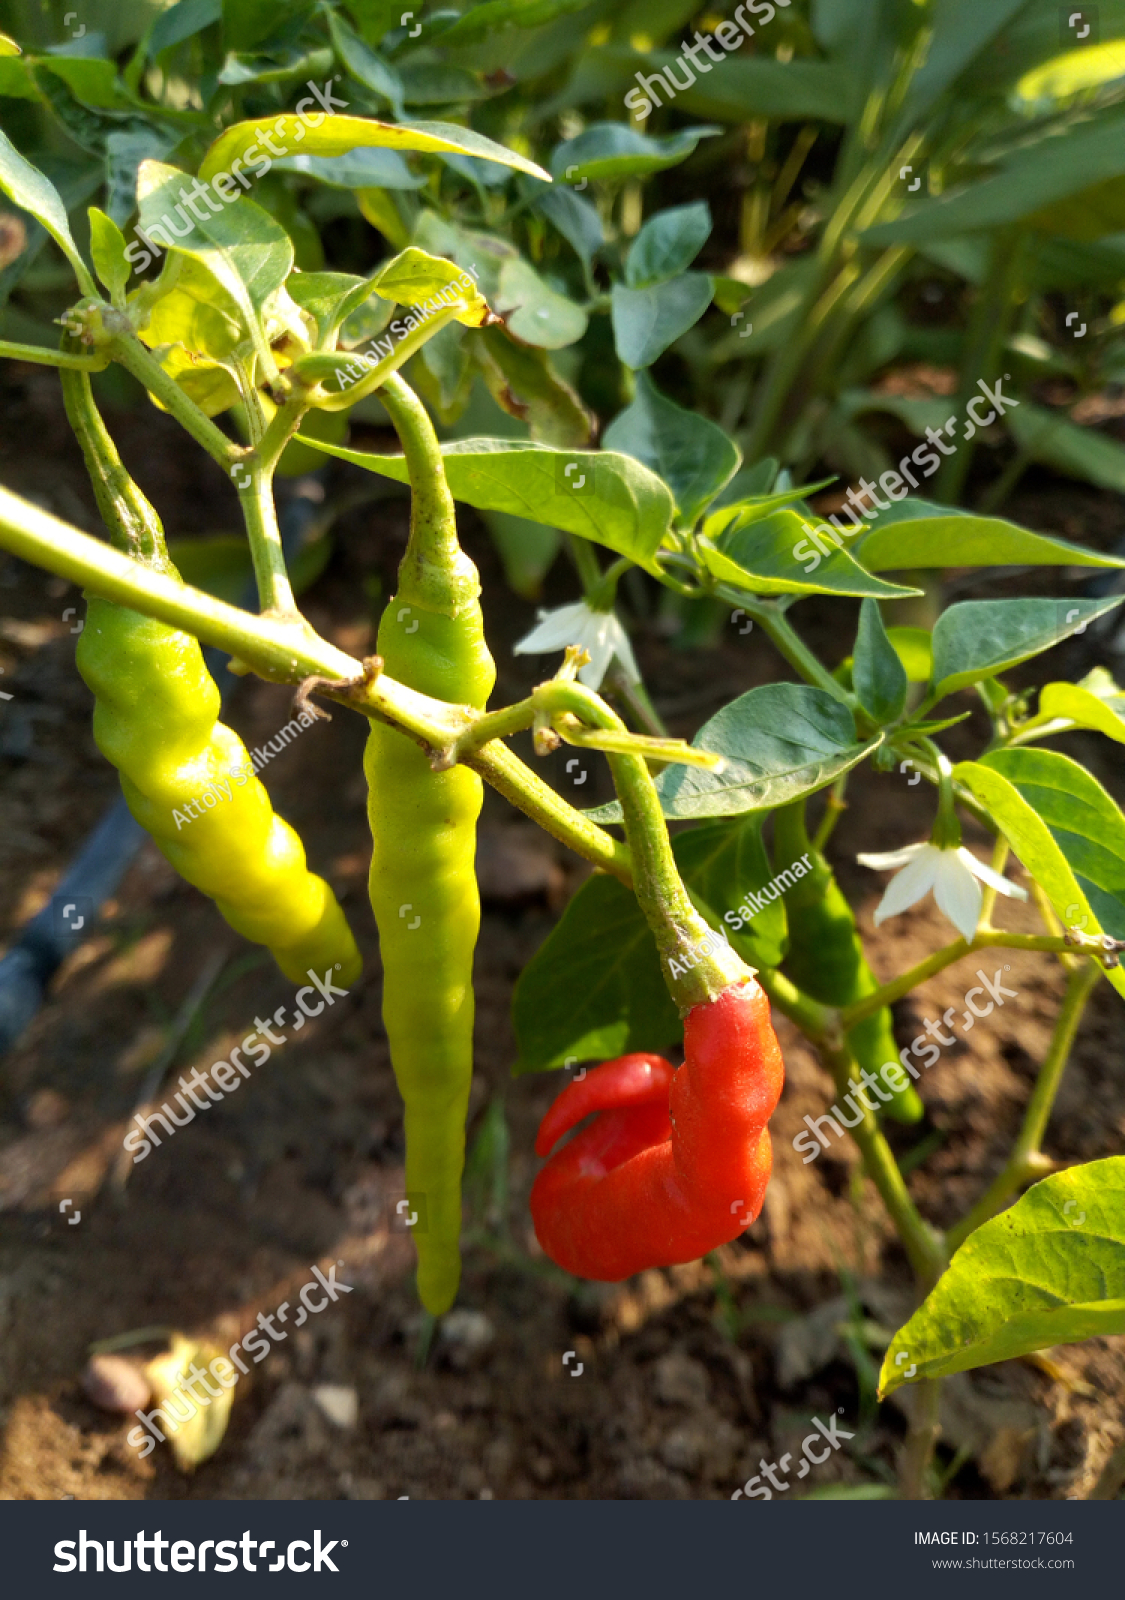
675	1163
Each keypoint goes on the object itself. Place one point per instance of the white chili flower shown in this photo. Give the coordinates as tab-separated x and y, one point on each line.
598	632
951	873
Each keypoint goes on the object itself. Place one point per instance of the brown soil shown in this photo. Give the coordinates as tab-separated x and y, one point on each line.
689	1378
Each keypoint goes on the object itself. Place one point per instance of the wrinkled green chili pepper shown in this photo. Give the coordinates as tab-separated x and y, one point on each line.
155	718
423	876
826	956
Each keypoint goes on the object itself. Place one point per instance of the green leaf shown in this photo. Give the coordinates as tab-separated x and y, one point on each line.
481	21
365	64
107	248
339	136
1081	707
1039	173
760	556
27	187
915	649
416	278
978	638
521	379
575	218
780	742
1054	441
606	497
667	244
182	22
1084	821
527	551
594	989
534	312
611	150
359	169
1043	853
747	87
878	676
1049	1270
693	456
721	863
242	247
647	321
933	536
8	47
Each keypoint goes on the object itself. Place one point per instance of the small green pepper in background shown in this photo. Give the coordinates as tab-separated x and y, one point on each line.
423	863
826	957
155	718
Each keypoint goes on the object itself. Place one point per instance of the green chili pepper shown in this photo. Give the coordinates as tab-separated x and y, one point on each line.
186	777
826	956
423	878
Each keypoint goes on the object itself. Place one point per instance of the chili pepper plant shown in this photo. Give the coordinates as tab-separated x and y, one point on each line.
692	933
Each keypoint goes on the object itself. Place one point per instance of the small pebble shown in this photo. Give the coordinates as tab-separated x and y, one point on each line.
114	1383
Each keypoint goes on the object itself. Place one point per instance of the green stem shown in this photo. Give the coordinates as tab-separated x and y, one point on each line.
775	626
1026	1161
918	1446
986	939
44	356
284	651
127	349
988	329
817	1022
321	365
275	593
923	1245
435	572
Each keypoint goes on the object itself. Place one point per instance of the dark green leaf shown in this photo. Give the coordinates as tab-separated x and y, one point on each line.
1050	1270
481	21
693	456
647	321
878	676
667	244
1054	441
365	64
746	87
37	195
575	218
611	150
522	380
181	22
979	638
724	862
361	169
766	555
780	742
594	989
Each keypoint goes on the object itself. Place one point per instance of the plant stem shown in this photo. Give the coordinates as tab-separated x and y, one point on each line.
275	594
320	365
987	939
1026	1160
44	356
780	631
131	353
921	1437
923	1245
284	651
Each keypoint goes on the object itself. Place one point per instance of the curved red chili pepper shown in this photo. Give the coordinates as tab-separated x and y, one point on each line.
674	1163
